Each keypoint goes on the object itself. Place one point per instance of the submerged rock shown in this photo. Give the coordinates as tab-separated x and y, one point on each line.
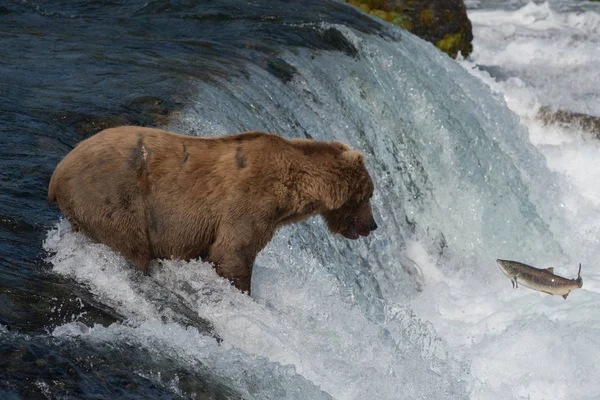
441	22
145	111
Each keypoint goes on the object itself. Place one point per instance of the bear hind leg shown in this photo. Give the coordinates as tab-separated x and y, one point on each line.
74	224
69	215
126	238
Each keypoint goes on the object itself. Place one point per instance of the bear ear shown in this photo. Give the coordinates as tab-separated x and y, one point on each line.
354	158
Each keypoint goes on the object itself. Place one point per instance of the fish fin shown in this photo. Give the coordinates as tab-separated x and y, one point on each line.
513	283
543	291
551	269
564	296
579	273
516	283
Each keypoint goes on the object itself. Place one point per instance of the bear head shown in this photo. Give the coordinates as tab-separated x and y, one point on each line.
352	217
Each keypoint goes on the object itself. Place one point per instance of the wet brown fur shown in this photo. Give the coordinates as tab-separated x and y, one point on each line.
149	193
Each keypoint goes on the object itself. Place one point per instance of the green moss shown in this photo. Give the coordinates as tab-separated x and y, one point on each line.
380	14
408	25
451	44
426	17
403	22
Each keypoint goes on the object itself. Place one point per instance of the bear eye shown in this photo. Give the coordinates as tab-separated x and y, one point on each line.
353	203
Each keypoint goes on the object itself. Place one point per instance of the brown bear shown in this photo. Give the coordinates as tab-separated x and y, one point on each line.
149	193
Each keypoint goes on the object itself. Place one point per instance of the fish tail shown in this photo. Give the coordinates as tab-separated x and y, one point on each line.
579	280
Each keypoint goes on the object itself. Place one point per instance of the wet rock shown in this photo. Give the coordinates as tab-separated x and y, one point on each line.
570	119
41	362
86	125
337	40
42	367
155	111
441	22
143	111
45	305
281	69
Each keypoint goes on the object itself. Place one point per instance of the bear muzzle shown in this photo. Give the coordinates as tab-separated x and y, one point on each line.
359	230
366	229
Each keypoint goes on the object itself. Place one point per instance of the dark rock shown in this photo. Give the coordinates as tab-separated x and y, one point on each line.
86	125
144	111
338	40
157	111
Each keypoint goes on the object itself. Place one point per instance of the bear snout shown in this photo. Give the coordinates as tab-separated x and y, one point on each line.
365	229
363	222
352	235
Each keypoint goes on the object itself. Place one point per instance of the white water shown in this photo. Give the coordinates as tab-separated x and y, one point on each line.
524	344
420	309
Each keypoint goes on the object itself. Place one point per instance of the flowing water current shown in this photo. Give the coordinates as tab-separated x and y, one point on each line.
464	174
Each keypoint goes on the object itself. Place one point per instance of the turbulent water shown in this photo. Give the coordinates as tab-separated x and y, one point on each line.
464	174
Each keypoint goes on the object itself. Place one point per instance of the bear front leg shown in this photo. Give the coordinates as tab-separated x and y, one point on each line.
242	283
238	242
142	261
234	262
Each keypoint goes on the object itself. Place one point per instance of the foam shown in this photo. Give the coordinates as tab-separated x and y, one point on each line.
306	333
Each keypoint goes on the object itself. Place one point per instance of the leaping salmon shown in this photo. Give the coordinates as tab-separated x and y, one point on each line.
542	280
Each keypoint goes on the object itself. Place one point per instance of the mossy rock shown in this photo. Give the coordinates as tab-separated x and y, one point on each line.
441	22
